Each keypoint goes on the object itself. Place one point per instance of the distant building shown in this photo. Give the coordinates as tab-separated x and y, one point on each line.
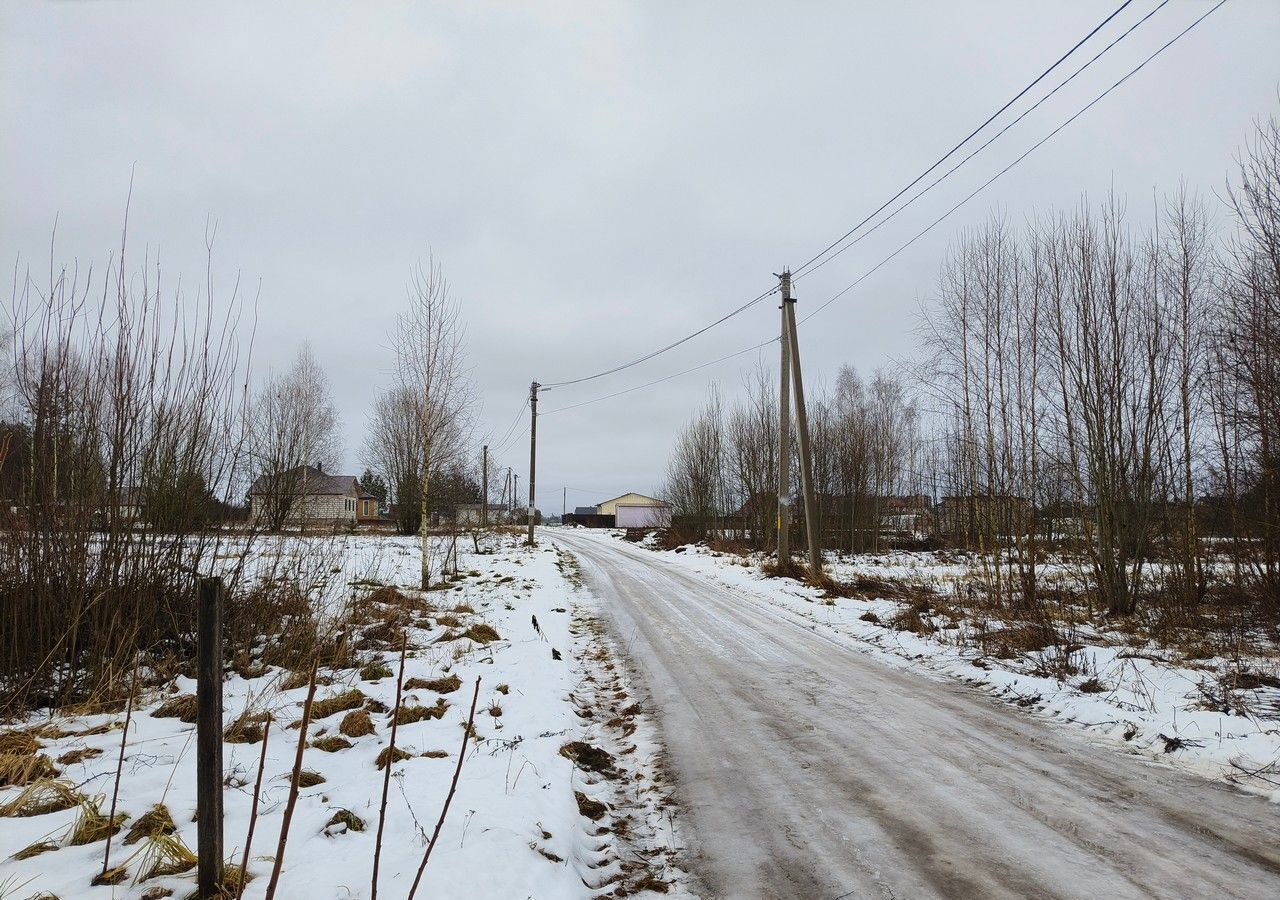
630	510
312	497
367	508
610	507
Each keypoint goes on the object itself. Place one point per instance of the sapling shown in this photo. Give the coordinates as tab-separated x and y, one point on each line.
115	791
453	787
293	783
253	810
386	778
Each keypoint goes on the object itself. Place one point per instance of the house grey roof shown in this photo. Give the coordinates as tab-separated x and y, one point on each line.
309	480
584	510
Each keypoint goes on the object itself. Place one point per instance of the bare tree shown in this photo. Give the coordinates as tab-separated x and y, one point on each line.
124	398
695	483
1248	355
293	428
751	456
431	378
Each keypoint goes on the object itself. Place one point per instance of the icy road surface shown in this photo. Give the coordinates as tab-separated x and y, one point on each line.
810	770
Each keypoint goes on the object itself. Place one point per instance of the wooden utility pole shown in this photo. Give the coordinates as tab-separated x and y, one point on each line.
484	490
533	451
209	738
811	524
784	432
564	503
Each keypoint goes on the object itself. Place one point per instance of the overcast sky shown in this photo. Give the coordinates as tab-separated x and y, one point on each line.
596	179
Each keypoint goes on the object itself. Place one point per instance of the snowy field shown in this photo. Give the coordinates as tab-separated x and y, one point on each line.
560	794
1141	699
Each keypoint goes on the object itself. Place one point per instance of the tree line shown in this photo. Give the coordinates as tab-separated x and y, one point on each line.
1086	385
131	428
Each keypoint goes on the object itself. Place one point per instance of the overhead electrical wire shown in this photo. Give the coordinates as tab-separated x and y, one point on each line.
661	350
932	224
640	387
944	176
1040	143
505	441
1121	8
773	290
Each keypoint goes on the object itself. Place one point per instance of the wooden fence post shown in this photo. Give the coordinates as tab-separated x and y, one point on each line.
209	739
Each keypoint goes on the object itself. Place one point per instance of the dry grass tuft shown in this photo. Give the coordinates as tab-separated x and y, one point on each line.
1025	637
18	742
155	822
436	754
35	849
356	723
375	671
388	754
407	715
233	880
1093	686
445	685
181	707
91	825
383	636
914	617
18	769
343	820
482	633
166	854
391	596
74	756
249	728
592	809
308	778
349	699
588	756
114	875
331	744
784	568
41	797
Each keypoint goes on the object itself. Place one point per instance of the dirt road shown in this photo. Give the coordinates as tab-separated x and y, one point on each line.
808	770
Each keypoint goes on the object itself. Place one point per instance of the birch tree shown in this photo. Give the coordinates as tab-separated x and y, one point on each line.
430	371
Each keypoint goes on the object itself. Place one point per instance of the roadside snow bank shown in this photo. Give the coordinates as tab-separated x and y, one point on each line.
1136	699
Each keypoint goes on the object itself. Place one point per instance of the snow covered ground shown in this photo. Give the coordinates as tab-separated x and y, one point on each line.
560	795
1141	699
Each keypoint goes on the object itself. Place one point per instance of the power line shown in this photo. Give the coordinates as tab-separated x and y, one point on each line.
928	227
1027	153
641	387
510	435
876	227
801	270
671	346
773	290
